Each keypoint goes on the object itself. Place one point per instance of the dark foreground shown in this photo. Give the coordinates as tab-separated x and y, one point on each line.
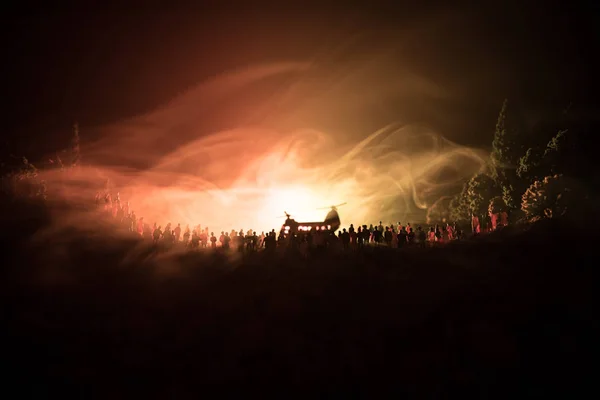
507	315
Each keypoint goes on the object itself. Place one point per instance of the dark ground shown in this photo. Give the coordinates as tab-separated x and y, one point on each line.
509	314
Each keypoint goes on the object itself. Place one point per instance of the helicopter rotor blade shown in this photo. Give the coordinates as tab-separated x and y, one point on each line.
330	207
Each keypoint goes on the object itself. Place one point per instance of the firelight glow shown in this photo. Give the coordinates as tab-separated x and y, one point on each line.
173	165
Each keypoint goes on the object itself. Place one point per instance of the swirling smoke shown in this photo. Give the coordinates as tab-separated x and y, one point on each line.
239	150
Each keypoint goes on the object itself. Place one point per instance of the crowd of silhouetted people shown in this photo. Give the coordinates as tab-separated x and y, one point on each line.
200	237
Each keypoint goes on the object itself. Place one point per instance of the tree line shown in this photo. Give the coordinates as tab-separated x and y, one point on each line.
546	169
21	178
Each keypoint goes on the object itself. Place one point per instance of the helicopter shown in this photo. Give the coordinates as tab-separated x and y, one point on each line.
330	224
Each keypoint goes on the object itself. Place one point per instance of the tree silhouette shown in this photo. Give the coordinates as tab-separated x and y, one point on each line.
499	143
481	189
530	165
553	197
555	154
496	205
505	157
459	205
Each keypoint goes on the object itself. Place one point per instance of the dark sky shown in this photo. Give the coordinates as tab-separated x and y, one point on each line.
100	66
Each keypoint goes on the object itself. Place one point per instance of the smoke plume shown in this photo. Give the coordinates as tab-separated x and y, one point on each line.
237	151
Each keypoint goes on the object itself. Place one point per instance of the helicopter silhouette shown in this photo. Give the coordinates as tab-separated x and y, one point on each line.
330	224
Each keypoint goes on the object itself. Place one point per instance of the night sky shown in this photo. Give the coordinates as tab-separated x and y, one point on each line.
98	67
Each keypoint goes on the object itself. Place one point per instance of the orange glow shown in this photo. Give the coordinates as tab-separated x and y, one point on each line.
183	169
